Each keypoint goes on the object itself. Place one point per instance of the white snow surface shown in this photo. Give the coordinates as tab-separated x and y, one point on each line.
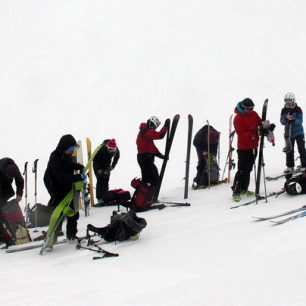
99	69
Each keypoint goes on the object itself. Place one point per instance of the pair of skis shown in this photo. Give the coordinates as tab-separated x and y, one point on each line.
276	194
27	205
169	140
297	213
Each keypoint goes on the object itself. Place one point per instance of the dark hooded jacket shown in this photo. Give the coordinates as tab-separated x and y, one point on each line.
9	172
59	175
105	159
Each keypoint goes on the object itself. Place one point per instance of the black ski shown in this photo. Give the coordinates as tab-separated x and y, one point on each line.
169	140
287	175
282	214
276	194
260	154
189	137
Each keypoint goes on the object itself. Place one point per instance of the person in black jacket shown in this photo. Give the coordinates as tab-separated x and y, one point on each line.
60	176
205	147
9	171
104	162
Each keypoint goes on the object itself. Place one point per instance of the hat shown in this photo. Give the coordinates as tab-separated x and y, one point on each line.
247	102
111	144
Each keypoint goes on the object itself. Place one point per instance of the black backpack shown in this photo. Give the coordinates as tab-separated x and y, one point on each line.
43	214
296	185
122	227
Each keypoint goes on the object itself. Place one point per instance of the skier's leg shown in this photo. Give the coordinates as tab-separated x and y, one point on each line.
300	141
290	155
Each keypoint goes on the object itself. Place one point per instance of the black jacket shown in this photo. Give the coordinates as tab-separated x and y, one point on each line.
104	159
59	175
8	172
200	140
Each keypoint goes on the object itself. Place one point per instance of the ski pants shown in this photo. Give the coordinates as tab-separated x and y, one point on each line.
246	159
72	222
300	141
102	185
149	172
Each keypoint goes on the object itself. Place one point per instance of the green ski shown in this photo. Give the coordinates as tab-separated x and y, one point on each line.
63	208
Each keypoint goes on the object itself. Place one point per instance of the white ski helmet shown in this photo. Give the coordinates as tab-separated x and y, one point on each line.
289	100
153	122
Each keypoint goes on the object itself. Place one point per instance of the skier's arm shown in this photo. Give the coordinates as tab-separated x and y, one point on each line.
157	135
19	181
116	158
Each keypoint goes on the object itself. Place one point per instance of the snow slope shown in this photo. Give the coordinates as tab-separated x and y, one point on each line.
99	68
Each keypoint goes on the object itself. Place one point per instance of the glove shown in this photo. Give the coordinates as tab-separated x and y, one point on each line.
289	119
272	127
265	124
161	156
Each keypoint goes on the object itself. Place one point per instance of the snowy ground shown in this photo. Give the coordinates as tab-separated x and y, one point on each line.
98	69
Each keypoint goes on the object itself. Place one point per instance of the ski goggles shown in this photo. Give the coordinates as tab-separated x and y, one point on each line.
71	149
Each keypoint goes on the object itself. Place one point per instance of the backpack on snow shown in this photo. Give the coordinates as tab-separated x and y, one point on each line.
296	185
122	227
41	212
143	195
116	197
12	225
214	172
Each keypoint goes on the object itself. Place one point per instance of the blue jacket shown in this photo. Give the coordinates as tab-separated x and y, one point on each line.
297	127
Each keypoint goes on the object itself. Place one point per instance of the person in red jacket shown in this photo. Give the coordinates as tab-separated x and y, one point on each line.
246	124
147	149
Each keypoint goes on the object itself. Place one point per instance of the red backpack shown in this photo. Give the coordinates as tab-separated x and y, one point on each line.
143	195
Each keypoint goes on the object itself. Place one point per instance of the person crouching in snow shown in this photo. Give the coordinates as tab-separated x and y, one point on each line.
104	162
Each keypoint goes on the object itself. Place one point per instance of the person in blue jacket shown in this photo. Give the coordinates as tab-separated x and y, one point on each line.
292	118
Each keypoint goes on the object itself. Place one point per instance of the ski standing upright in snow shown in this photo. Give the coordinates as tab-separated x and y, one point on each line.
169	141
229	163
27	205
260	153
34	170
90	172
189	138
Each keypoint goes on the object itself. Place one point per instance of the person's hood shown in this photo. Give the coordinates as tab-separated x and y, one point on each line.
143	126
65	142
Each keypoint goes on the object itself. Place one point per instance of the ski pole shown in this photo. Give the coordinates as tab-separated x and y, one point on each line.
34	170
254	155
264	178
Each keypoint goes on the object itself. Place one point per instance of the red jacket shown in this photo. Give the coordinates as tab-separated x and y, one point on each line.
145	139
246	126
